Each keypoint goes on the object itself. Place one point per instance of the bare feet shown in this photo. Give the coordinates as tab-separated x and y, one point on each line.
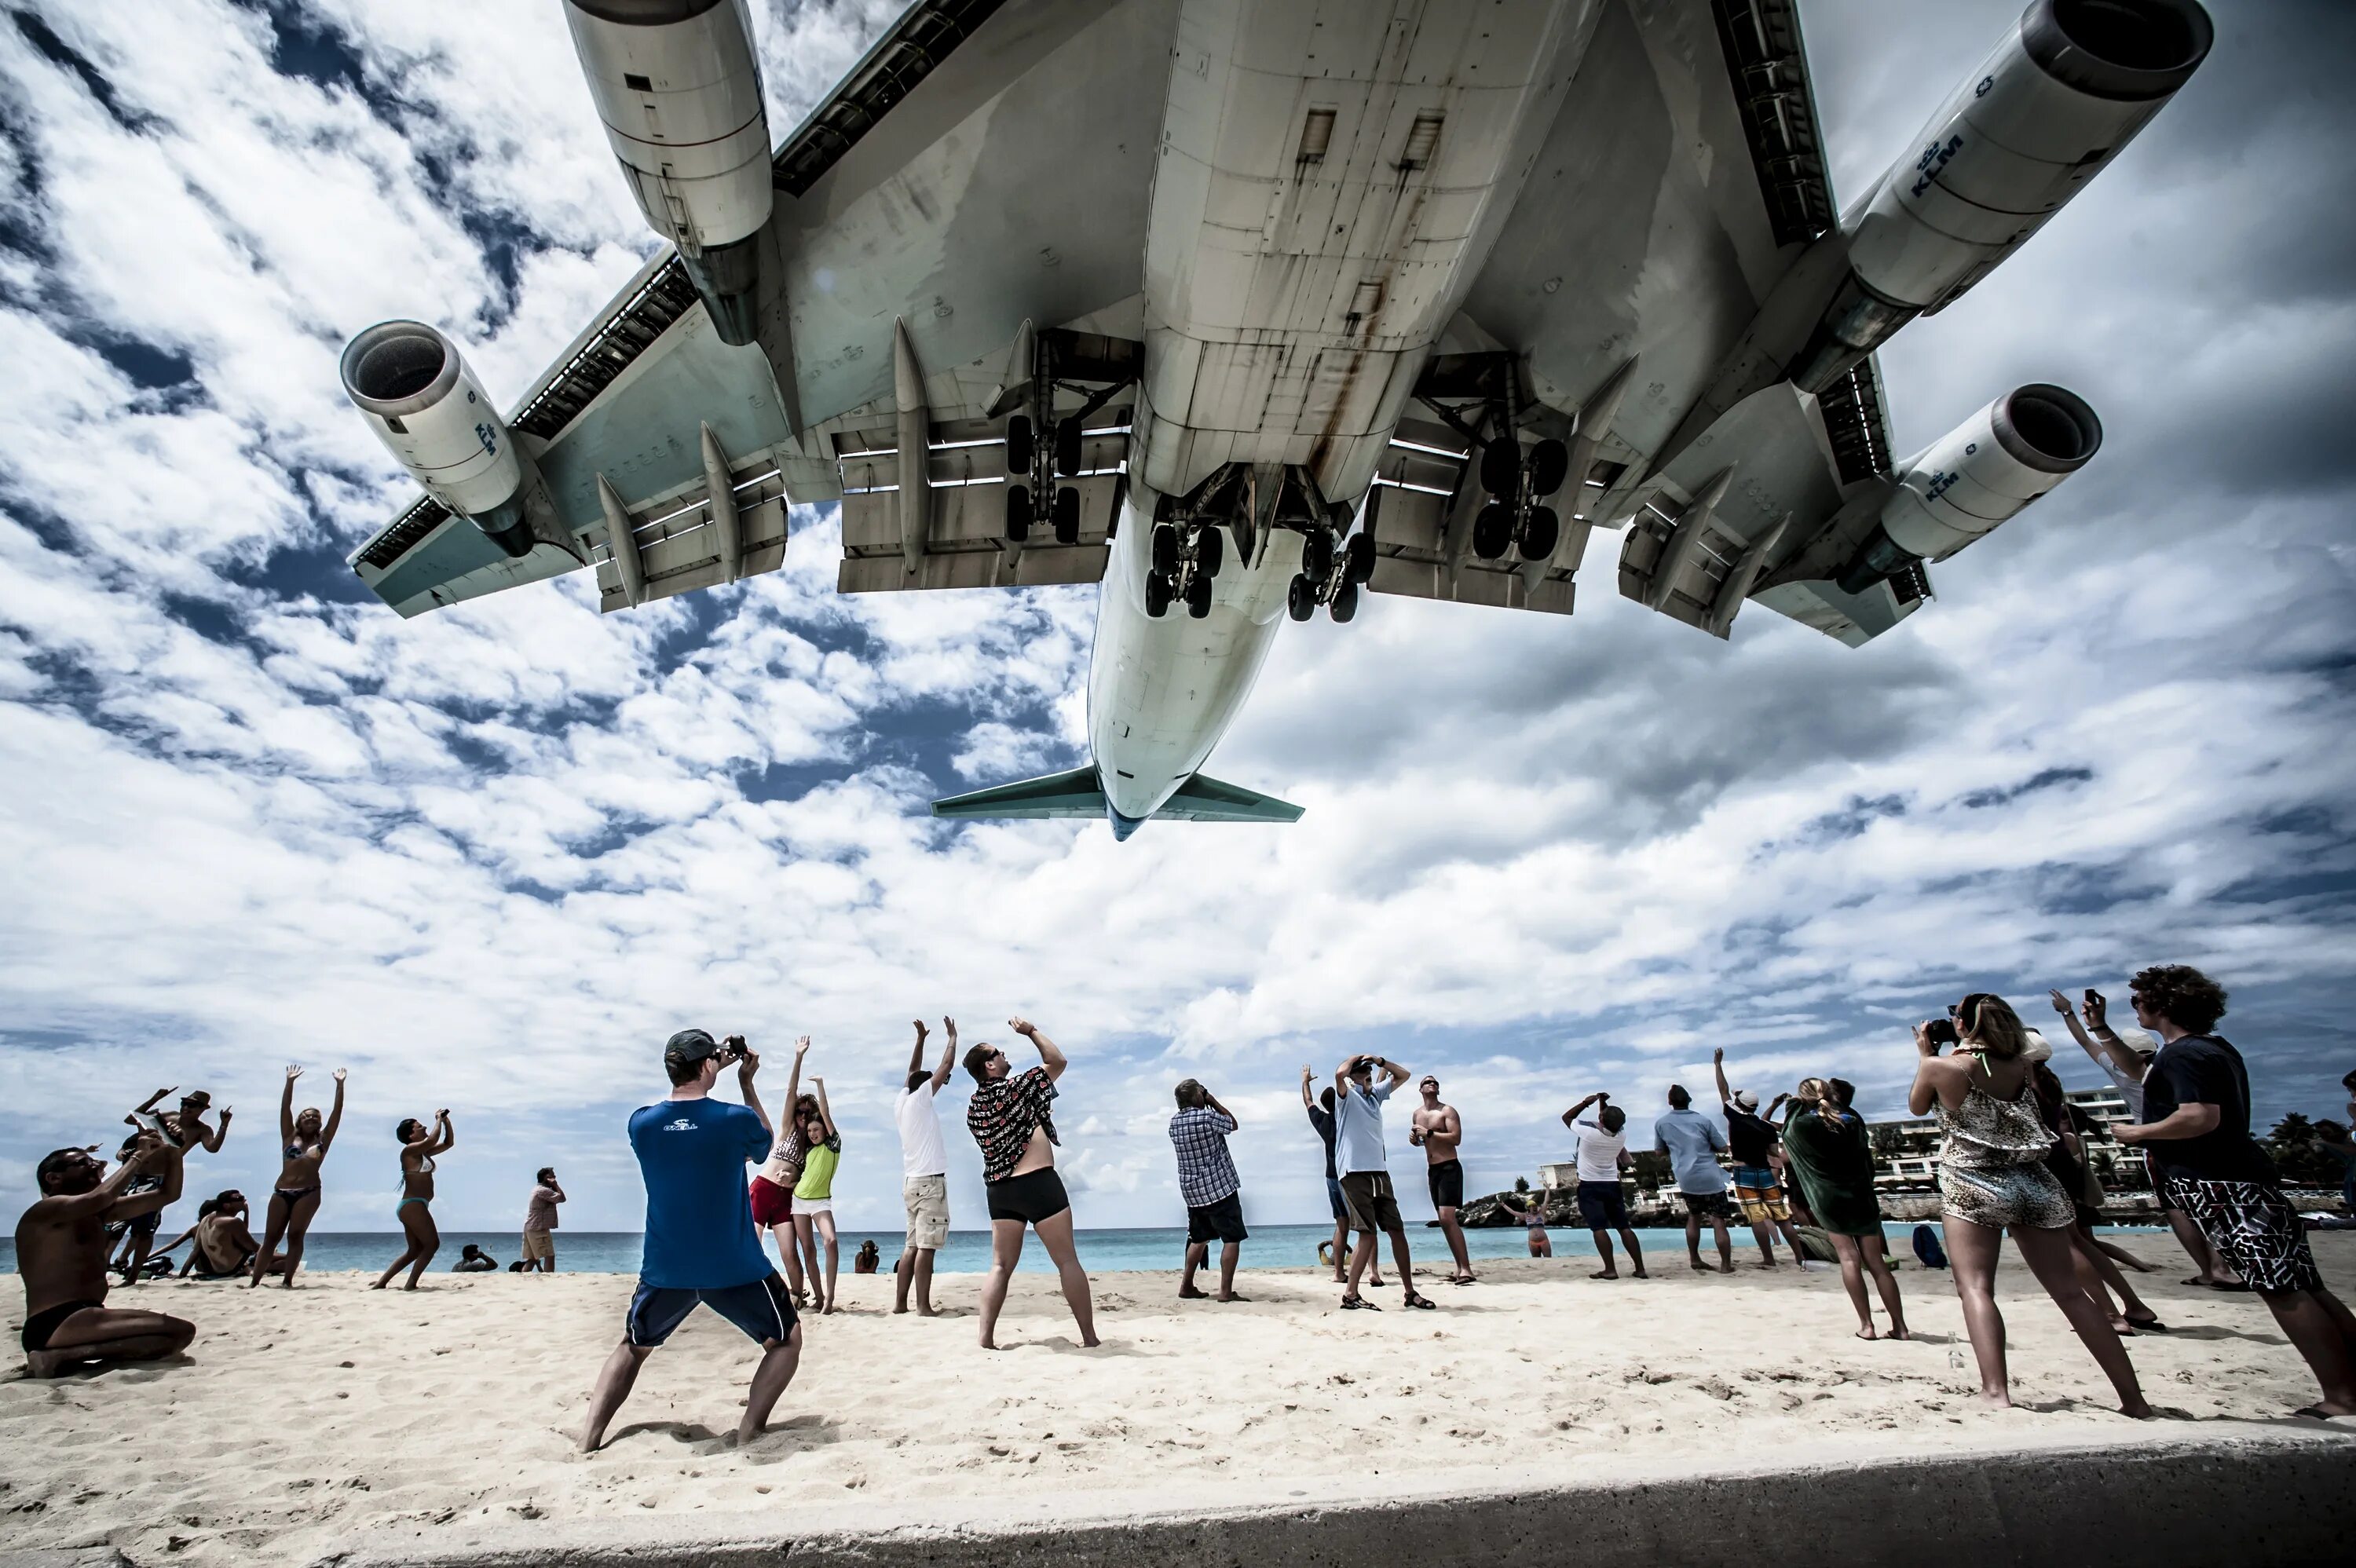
1231	1295
1726	1268
1698	1267
1192	1293
1900	1332
50	1363
1605	1273
1640	1273
1091	1342
1997	1398
1867	1332
2139	1411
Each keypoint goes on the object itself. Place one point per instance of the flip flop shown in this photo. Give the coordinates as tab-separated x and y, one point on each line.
2144	1325
1358	1303
1464	1279
1421	1303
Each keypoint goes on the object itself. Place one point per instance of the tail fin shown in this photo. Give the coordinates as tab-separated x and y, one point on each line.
1080	794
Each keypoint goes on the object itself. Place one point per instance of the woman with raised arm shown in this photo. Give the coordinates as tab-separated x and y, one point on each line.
773	1185
294	1196
419	1144
814	1194
1992	1178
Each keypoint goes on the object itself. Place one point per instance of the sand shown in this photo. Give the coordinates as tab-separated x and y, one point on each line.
304	1420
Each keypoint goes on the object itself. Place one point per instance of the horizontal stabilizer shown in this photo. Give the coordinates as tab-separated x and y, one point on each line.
1202	799
1072	793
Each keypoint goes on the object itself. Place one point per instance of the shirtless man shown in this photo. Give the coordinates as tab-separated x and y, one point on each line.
61	1255
1435	1128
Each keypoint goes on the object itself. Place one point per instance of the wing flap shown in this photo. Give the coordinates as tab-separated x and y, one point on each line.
677	541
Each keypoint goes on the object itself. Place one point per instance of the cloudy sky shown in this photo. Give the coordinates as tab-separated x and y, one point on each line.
487	859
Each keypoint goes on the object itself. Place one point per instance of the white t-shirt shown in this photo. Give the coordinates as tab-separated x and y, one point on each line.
922	1152
1598	1153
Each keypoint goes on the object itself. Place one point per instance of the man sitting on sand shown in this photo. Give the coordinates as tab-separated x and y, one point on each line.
220	1243
701	1247
1692	1141
1209	1187
62	1256
472	1259
1601	1151
1359	1156
1439	1131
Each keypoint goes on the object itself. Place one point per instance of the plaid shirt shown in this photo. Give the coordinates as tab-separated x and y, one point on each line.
1205	1173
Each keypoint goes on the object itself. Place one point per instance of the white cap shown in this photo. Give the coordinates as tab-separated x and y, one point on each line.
2038	1049
1745	1099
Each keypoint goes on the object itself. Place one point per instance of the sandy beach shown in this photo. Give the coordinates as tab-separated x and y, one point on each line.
301	1418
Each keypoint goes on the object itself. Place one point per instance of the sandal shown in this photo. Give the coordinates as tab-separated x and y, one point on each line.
1358	1303
2149	1325
1419	1302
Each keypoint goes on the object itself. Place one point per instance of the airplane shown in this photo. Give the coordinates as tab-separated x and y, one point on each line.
1243	307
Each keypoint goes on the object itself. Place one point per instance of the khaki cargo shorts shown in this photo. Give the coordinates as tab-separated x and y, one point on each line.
928	1197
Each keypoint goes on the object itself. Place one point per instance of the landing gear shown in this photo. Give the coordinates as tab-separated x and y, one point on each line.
1181	565
1165	549
1018	514
1300	599
1209	546
1021	443
1317	554
1540	530
1345	601
1157	594
1198	595
1358	556
1492	529
1067	514
1068	446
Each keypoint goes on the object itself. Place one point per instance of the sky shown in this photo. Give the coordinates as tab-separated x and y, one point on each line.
490	859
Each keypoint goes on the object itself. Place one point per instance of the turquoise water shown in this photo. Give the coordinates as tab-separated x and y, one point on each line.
1271	1246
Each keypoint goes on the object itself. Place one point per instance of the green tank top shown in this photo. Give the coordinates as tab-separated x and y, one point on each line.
818	1170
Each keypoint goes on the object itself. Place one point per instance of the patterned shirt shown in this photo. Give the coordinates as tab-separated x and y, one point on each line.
1205	1173
1000	1116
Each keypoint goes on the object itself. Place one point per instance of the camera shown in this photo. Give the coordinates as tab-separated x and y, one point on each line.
1941	1032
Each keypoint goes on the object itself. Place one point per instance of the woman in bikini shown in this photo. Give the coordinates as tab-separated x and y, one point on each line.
304	1140
773	1185
419	1144
1993	1179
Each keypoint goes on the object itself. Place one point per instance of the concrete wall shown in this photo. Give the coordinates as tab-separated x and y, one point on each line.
2258	1497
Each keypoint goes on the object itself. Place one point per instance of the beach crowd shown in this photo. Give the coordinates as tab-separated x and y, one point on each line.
2012	1161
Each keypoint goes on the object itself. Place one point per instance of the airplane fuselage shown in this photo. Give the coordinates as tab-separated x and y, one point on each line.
1327	188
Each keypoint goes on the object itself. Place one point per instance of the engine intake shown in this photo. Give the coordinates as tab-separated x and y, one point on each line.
1986	470
678	85
2071	84
415	389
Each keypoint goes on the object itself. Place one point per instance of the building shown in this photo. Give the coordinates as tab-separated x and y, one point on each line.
1564	1176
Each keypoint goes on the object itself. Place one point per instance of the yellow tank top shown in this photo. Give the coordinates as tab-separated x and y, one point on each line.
818	1170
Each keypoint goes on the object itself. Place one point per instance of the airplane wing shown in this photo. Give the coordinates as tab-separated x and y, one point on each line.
925	216
1616	292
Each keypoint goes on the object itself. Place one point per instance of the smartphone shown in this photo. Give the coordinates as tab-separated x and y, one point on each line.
148	1121
2094	997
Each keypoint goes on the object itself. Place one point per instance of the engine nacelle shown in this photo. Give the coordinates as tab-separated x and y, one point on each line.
677	84
417	394
1985	471
2070	85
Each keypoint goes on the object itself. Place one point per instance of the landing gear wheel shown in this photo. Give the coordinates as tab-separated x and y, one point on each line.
1540	530
1300	599
1210	548
1501	467
1317	555
1549	466
1067	514
1198	596
1358	558
1018	513
1493	531
1345	601
1157	594
1165	549
1021	443
1068	446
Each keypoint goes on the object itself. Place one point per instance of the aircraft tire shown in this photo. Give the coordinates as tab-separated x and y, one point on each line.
1541	530
1198	595
1345	602
1549	466
1068	446
1018	513
1021	443
1358	558
1501	467
1317	555
1165	549
1067	514
1300	599
1157	594
1209	550
1492	531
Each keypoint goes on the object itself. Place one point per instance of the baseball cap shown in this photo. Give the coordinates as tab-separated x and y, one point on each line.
687	1047
2038	1048
1745	1099
2142	1041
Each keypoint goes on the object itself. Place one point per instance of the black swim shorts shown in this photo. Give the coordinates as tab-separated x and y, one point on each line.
1602	1206
761	1308
1222	1221
1446	1180
2254	1227
1707	1205
1029	1198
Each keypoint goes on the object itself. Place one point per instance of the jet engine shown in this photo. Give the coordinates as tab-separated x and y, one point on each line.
677	84
2068	86
430	413
1985	470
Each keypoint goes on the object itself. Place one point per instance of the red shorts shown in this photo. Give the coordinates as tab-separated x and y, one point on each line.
772	1204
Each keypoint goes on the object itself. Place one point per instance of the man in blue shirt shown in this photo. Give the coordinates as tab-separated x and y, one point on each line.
701	1247
1692	1141
1366	1173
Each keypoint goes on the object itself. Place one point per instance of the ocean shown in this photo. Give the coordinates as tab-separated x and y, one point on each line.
1271	1246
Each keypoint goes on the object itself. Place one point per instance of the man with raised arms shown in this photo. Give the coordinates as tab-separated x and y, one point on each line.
1366	1192
701	1247
1008	1116
1438	1130
61	1255
1750	1138
924	1171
